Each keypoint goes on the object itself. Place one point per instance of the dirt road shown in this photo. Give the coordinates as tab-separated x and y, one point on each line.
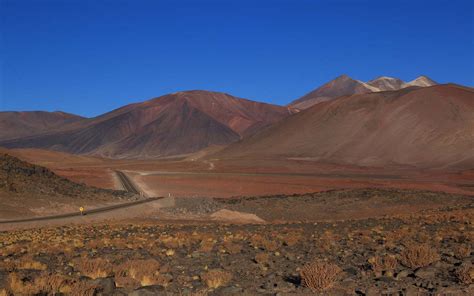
127	184
132	210
147	206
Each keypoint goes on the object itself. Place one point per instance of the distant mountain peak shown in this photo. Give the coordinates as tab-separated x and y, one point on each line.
422	81
344	85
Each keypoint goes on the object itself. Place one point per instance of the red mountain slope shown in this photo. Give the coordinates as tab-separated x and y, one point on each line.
425	127
21	124
173	124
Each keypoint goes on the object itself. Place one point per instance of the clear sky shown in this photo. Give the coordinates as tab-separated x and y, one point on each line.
88	57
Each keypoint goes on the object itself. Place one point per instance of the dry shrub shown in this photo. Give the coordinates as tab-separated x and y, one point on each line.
135	273
383	263
93	267
206	246
232	248
126	282
262	258
11	250
319	275
465	274
7	265
418	256
179	240
462	251
292	238
45	283
216	278
21	285
30	263
259	241
4	292
83	288
328	240
53	282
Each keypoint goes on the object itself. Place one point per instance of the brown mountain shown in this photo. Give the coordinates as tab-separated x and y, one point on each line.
346	86
22	124
178	123
424	127
341	86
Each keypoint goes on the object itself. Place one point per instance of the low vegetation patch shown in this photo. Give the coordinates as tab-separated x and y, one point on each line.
319	275
416	256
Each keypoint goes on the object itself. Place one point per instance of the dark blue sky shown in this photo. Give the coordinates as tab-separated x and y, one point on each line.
88	57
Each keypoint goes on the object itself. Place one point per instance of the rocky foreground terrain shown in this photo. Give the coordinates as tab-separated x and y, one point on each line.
18	177
424	253
28	190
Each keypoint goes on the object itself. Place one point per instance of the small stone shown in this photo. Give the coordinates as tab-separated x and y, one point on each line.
352	271
426	273
230	291
403	274
106	285
148	291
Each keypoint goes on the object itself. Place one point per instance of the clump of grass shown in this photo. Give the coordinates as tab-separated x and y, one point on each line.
216	278
135	273
44	283
93	267
319	275
258	241
418	256
83	288
262	258
30	263
465	274
232	248
381	264
206	246
292	238
462	251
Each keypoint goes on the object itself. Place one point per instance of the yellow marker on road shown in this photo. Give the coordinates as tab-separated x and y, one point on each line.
81	209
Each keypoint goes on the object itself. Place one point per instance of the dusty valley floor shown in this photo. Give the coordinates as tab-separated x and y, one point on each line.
246	229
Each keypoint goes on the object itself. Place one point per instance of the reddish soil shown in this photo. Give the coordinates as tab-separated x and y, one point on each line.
220	178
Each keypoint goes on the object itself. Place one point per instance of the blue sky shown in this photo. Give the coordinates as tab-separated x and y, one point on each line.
88	57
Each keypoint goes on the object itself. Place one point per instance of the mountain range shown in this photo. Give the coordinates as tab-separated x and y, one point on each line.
381	122
178	123
344	85
423	127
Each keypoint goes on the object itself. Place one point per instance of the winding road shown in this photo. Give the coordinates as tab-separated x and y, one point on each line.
127	185
88	212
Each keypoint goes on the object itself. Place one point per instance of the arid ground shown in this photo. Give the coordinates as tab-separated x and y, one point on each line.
292	227
427	252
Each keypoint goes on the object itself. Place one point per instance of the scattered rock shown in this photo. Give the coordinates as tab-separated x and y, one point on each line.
148	291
